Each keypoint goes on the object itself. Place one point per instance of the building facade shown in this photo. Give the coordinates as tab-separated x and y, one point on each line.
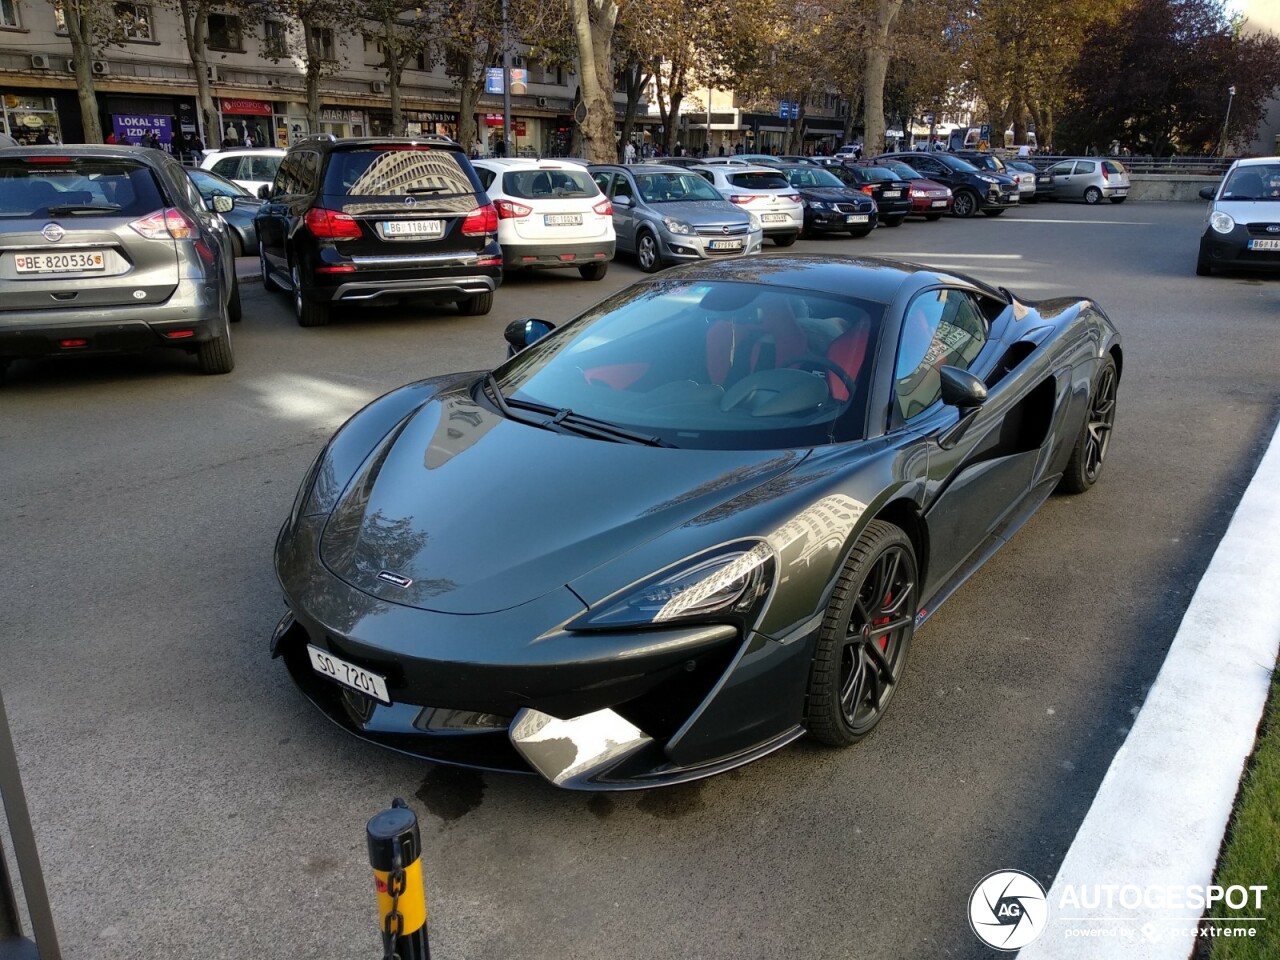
1263	16
146	83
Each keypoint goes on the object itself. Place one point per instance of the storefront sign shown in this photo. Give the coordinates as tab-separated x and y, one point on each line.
245	108
519	81
428	116
341	115
132	128
493	119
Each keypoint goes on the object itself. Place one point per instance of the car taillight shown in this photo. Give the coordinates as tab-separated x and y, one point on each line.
1104	171
480	221
331	225
868	190
165	225
604	208
742	198
510	210
793	197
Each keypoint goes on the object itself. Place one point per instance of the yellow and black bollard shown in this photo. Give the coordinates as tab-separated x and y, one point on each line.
395	853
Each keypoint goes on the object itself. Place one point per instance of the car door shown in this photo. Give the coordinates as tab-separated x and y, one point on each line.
933	170
625	215
976	477
1064	181
272	219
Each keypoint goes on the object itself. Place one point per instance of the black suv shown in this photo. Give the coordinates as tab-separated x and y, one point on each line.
352	221
974	189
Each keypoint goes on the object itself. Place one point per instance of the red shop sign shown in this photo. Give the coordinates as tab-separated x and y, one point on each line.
246	107
493	119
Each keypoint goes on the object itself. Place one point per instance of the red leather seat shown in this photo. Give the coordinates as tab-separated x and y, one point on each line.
848	352
773	340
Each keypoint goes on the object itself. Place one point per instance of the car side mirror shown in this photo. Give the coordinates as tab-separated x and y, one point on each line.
622	201
1206	193
961	389
264	192
223	204
520	333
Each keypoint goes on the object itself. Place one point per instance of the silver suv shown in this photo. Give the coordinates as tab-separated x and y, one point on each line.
109	249
667	214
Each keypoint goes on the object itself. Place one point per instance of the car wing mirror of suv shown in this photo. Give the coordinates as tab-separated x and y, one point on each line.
264	192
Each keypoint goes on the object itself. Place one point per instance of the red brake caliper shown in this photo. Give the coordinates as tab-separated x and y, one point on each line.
884	641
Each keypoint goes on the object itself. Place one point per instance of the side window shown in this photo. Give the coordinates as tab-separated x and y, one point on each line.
1061	169
286	182
707	175
622	187
486	177
602	181
308	172
261	168
1085	166
942	328
228	167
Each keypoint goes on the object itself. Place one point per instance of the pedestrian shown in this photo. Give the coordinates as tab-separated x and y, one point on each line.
111	137
477	148
721	150
629	153
1024	150
42	139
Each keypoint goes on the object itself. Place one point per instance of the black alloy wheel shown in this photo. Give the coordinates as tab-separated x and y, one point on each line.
1085	465
865	635
965	204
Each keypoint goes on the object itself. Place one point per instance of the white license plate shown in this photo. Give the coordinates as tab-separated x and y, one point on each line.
562	219
73	261
891	194
1122	191
857	218
725	245
413	228
939	203
773	217
348	674
1264	244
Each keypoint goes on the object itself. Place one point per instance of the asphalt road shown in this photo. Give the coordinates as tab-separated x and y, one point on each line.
189	803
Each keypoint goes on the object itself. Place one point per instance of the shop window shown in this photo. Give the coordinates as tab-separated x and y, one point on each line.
134	21
273	38
9	13
225	33
323	38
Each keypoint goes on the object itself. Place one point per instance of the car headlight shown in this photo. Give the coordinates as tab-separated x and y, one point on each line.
986	179
816	204
678	226
727	584
1221	222
755	221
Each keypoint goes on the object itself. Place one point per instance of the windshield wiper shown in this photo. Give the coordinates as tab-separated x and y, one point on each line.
426	190
564	417
62	210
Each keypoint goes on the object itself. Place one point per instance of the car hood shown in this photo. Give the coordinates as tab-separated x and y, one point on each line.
480	513
1249	211
836	194
703	213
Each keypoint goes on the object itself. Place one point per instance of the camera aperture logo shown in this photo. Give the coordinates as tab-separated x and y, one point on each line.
1008	909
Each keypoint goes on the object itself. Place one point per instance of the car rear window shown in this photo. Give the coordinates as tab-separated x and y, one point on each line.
759	181
76	186
876	173
1113	167
398	171
543	184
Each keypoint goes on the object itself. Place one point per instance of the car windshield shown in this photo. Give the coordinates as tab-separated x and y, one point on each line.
983	162
813	177
397	170
758	180
709	364
674	188
956	164
1259	181
904	172
44	186
547	184
1021	165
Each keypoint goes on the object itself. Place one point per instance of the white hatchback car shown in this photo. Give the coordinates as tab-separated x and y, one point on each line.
550	214
252	168
764	191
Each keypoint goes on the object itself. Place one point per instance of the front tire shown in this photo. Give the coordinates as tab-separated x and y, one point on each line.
1204	266
965	204
1085	466
864	638
647	253
1093	195
593	271
786	239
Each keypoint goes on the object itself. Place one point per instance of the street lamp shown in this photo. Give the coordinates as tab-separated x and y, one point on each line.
1231	95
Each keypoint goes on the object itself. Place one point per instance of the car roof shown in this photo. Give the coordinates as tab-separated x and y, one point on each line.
115	151
1256	161
736	169
647	167
528	163
245	152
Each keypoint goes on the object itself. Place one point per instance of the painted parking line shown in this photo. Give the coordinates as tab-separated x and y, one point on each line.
1158	819
1104	223
955	256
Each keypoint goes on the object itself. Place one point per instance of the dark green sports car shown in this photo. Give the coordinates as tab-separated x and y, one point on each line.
689	526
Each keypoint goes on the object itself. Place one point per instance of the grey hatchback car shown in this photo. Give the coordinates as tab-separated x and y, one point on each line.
666	215
110	248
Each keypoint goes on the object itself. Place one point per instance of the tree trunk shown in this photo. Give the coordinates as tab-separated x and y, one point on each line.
313	69
796	146
874	75
595	40
395	63
675	96
80	30
470	87
195	23
851	94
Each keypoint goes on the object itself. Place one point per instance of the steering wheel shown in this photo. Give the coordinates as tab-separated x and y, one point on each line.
778	392
816	362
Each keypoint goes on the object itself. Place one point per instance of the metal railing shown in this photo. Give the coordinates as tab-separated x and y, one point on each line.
1171	166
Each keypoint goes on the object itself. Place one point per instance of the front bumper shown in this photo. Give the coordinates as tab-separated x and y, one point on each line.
836	221
1231	250
920	206
194	305
997	199
489	691
699	247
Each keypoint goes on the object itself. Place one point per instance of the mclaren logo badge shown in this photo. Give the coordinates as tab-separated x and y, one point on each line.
386	576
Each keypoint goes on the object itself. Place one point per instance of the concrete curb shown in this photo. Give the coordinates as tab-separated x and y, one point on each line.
1159	817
